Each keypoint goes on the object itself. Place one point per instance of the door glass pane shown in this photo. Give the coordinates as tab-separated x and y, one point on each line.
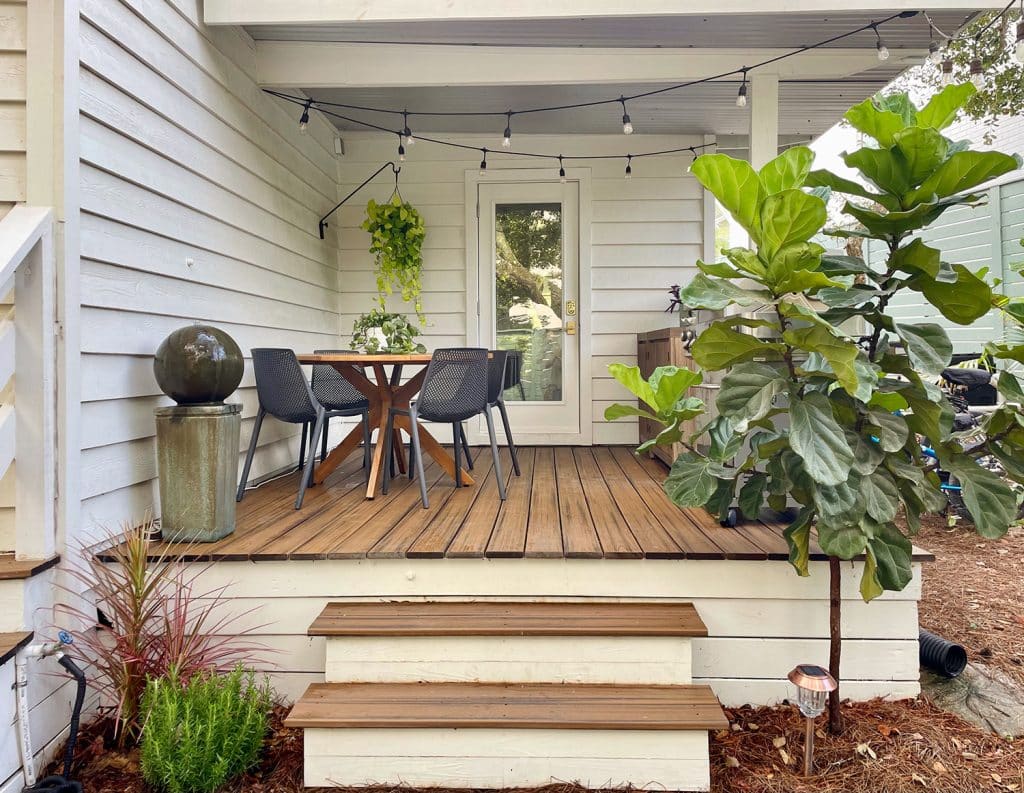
528	296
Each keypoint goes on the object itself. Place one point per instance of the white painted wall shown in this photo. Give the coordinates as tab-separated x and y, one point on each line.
13	31
200	201
646	234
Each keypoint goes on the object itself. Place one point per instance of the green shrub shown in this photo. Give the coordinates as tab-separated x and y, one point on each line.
198	736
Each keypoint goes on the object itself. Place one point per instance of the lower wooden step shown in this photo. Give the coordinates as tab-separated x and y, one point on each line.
491	735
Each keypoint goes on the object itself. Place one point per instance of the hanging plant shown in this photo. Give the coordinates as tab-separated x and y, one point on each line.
380	331
396	241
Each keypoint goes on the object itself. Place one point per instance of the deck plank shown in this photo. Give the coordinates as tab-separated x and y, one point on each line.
578	531
617	541
475	532
509	536
544	530
446	521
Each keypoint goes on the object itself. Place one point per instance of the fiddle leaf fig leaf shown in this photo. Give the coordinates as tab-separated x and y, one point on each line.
892	554
849	187
720	346
788	171
737	187
874	121
839	353
881	497
916	257
715	294
962	302
891	430
962	171
843	542
819	440
928	346
870	587
942	108
747	393
881	168
923	150
693	480
988	498
752	496
788	217
798	536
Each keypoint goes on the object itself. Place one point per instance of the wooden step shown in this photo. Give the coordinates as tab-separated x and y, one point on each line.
11	642
485	618
501	735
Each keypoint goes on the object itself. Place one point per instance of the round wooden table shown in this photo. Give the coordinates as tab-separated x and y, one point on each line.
383	393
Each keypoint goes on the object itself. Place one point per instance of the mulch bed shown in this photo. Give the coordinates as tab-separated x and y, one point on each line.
974	593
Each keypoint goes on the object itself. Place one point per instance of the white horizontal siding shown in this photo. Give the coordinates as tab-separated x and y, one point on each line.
200	202
646	234
13	31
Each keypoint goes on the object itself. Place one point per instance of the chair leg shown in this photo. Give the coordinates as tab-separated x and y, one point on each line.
508	436
494	454
465	446
323	446
419	457
457	449
522	391
367	442
249	455
307	470
302	445
389	468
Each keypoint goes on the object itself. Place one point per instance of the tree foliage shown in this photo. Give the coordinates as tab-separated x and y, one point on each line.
809	413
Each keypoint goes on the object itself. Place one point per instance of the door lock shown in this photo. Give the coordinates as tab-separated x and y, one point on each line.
570	308
570	327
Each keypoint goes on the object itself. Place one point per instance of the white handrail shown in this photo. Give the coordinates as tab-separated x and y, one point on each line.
28	398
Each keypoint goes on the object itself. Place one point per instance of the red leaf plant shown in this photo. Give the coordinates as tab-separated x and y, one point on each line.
142	616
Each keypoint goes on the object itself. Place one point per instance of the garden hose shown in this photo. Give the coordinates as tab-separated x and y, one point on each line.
60	783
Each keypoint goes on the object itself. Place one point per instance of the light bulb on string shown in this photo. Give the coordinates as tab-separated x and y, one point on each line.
934	52
506	138
741	96
629	166
483	163
401	150
627	124
409	139
947	72
883	51
304	118
561	170
977	73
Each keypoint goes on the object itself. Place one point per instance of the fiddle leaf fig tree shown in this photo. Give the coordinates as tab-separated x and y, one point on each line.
825	395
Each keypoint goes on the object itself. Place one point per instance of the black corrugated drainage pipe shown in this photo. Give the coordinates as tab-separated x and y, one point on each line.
940	655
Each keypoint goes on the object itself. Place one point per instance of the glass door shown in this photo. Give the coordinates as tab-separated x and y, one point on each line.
528	295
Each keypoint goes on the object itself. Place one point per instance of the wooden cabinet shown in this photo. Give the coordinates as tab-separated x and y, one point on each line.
669	347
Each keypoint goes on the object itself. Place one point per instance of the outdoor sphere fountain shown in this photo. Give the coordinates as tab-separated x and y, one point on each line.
198	366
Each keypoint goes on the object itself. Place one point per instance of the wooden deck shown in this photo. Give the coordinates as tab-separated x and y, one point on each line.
570	502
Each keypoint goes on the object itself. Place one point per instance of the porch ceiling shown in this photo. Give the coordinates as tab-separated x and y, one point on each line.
808	104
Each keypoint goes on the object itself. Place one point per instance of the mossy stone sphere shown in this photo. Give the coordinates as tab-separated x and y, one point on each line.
198	365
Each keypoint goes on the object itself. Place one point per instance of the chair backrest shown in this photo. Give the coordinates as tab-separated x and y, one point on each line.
283	389
496	375
330	386
455	385
513	368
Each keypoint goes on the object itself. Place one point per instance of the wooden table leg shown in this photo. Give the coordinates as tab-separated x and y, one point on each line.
381	456
429	445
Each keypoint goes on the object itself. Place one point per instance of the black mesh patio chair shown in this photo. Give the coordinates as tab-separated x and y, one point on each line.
339	397
454	390
285	393
497	382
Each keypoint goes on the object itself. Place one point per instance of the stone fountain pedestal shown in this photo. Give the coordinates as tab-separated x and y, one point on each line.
197	456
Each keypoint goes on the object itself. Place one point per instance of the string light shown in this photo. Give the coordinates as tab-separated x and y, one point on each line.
629	166
741	97
401	150
947	72
627	125
977	73
506	139
304	118
883	51
409	139
561	170
483	163
934	52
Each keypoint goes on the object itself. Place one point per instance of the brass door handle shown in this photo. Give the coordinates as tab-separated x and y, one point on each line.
570	327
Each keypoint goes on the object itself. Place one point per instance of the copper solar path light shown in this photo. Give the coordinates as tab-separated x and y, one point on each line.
813	685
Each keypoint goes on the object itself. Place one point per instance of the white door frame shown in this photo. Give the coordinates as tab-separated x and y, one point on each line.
585	437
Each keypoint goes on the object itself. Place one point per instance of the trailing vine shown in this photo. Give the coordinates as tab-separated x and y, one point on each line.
396	232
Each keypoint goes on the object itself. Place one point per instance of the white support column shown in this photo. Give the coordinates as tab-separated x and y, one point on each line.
764	118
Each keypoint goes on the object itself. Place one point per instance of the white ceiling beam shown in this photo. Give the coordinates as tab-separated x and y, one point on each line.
305	64
311	12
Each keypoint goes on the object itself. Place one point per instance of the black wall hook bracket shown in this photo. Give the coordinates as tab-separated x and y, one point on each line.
395	169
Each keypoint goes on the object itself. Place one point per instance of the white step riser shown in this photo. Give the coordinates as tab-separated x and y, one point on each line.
644	660
489	758
12	605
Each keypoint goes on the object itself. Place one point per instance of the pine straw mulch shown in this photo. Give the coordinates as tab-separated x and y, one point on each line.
974	593
886	747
